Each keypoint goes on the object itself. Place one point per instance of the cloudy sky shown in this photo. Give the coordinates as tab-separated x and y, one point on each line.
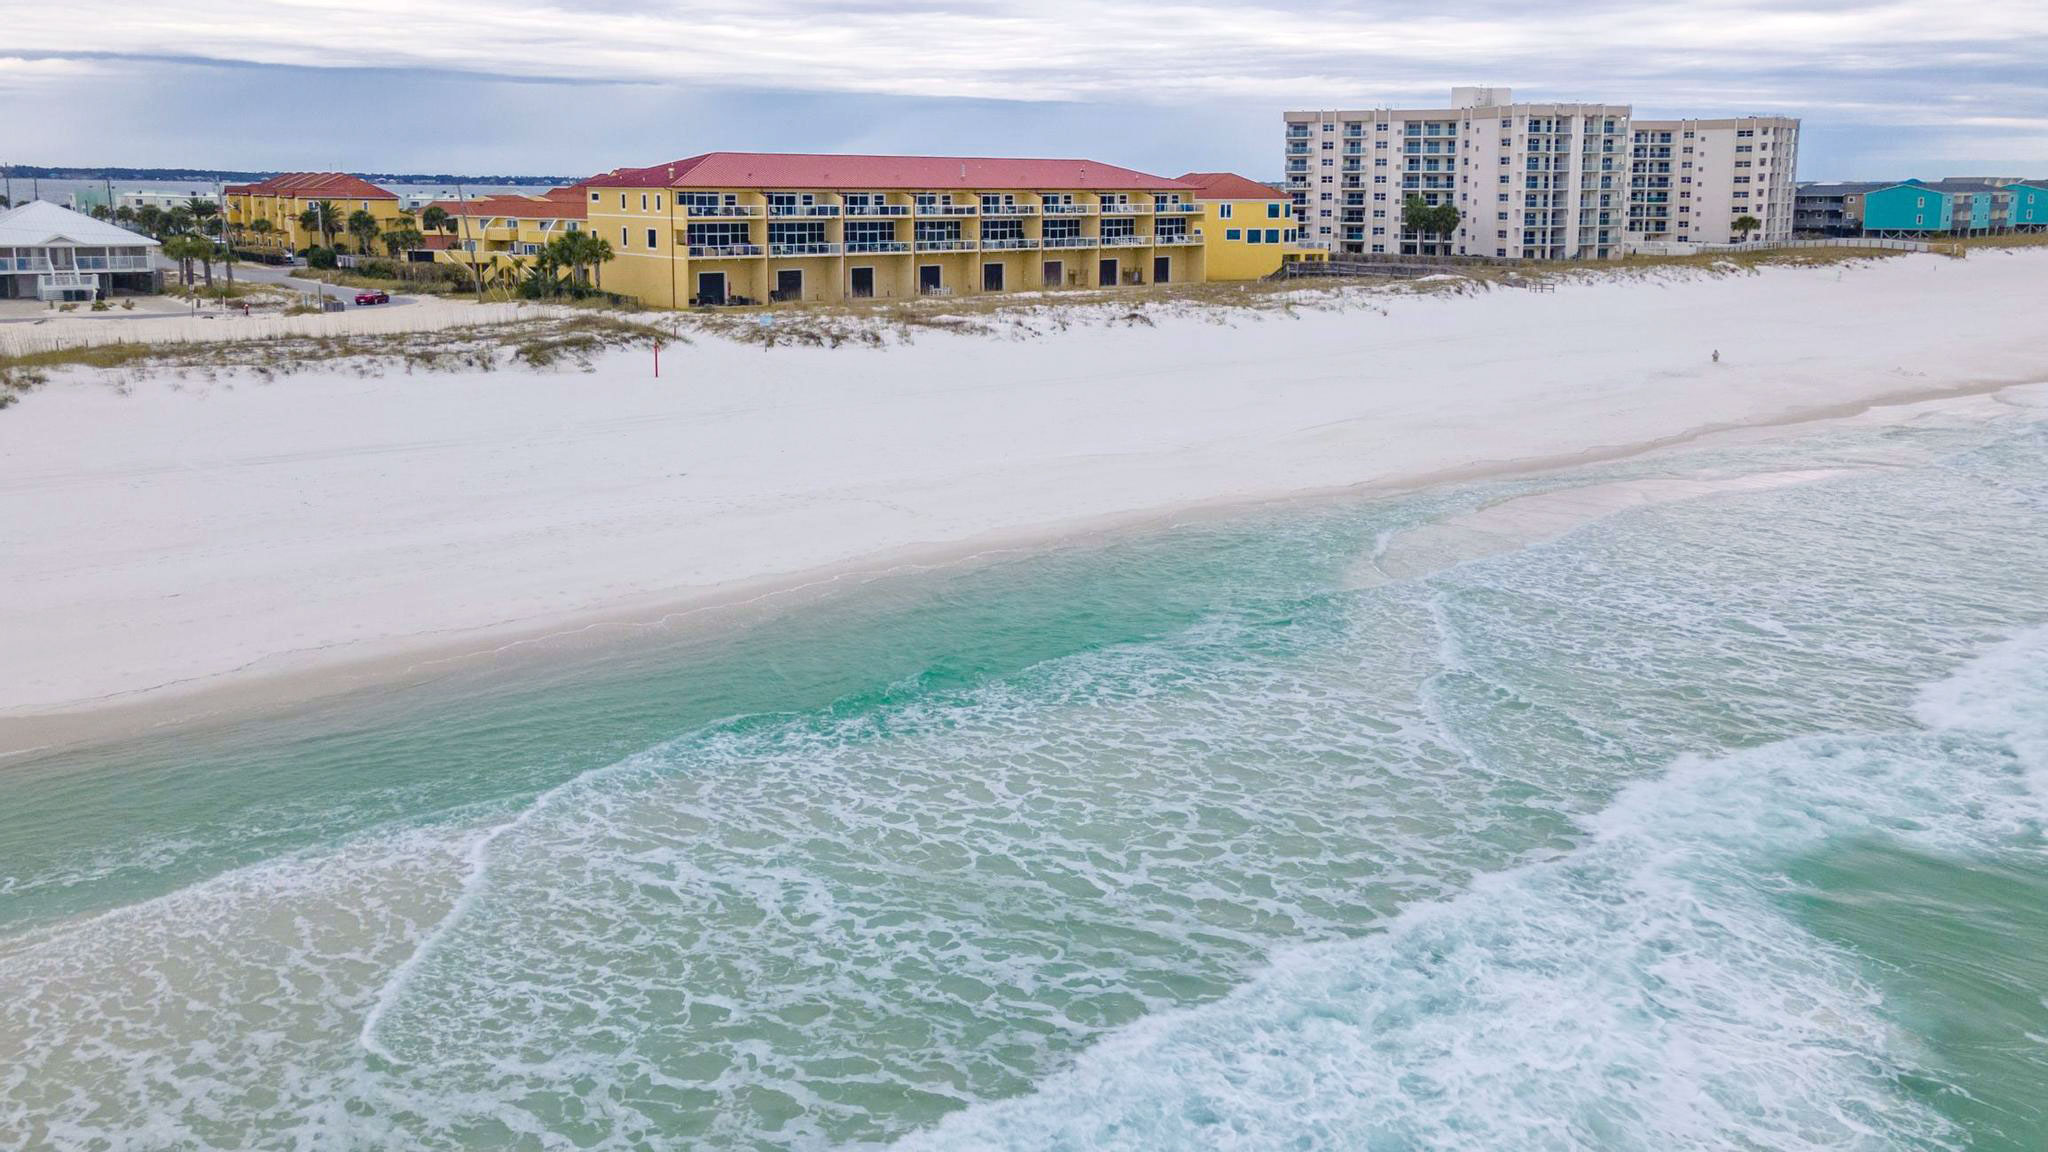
1909	87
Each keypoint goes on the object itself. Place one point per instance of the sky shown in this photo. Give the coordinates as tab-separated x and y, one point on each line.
1886	88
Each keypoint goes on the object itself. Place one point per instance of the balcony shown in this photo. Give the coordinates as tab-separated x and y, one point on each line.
924	245
718	251
1127	240
871	210
803	248
863	247
1123	208
803	209
1069	241
1177	208
705	211
1068	209
1007	243
947	209
1183	239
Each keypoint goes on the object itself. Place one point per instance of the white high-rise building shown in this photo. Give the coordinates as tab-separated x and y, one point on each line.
1691	180
1565	181
1541	181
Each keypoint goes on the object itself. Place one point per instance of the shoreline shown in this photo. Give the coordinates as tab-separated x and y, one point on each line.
290	680
182	545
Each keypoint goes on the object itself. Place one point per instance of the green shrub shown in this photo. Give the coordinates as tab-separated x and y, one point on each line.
101	306
318	257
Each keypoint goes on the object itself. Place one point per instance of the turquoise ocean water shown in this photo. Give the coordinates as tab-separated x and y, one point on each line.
1710	825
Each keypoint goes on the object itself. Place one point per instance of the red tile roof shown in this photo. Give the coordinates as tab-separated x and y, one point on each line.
558	204
1229	186
802	170
337	185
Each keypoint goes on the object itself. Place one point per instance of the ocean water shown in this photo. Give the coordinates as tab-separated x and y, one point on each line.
1715	824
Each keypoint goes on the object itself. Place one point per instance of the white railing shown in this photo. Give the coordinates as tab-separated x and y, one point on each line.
705	210
947	209
1123	208
1068	209
924	245
1069	241
1176	208
865	246
1178	239
803	209
1009	209
1009	242
1132	240
878	210
715	250
50	280
802	248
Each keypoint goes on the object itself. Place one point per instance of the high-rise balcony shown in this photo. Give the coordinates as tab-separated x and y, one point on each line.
1008	243
935	209
1069	241
803	209
1050	209
944	245
719	251
1008	209
1124	208
702	211
1125	240
802	248
865	247
873	210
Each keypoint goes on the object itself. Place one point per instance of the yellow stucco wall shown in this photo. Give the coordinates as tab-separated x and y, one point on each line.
1227	227
649	233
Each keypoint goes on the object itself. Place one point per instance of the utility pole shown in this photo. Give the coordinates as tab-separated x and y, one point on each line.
476	269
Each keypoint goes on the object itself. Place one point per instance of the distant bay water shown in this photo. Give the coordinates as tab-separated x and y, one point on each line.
1714	824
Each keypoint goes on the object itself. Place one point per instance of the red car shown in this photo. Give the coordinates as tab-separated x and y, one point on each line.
373	297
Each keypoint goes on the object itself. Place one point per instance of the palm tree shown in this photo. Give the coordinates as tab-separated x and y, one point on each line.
363	227
151	218
434	219
99	212
403	239
179	219
202	209
185	250
321	216
124	215
1744	225
600	254
262	227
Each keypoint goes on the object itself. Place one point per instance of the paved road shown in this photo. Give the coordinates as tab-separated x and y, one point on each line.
270	274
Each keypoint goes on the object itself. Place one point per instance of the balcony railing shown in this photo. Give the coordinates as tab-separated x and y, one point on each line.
1124	208
1068	209
706	210
856	247
947	209
1176	208
1183	238
79	263
1003	243
66	280
803	209
1069	241
1009	209
1127	240
924	245
802	248
703	251
878	209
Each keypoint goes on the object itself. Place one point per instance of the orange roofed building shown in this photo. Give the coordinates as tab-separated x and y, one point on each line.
1248	227
500	231
750	227
283	199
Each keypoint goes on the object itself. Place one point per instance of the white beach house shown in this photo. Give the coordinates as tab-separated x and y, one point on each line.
48	252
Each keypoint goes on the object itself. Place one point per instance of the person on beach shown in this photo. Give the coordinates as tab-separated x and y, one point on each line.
1717	355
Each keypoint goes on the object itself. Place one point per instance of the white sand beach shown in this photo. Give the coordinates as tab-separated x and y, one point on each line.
160	534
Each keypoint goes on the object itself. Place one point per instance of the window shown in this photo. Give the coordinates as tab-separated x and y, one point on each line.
643	201
1272	211
1231	233
652	242
594	196
1272	235
1292	235
1223	213
1252	236
622	199
624	233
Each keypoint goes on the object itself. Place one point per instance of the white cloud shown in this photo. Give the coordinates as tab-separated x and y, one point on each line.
1282	53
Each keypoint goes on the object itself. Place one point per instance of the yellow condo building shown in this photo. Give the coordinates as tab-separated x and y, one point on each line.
749	227
1249	228
502	233
283	199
